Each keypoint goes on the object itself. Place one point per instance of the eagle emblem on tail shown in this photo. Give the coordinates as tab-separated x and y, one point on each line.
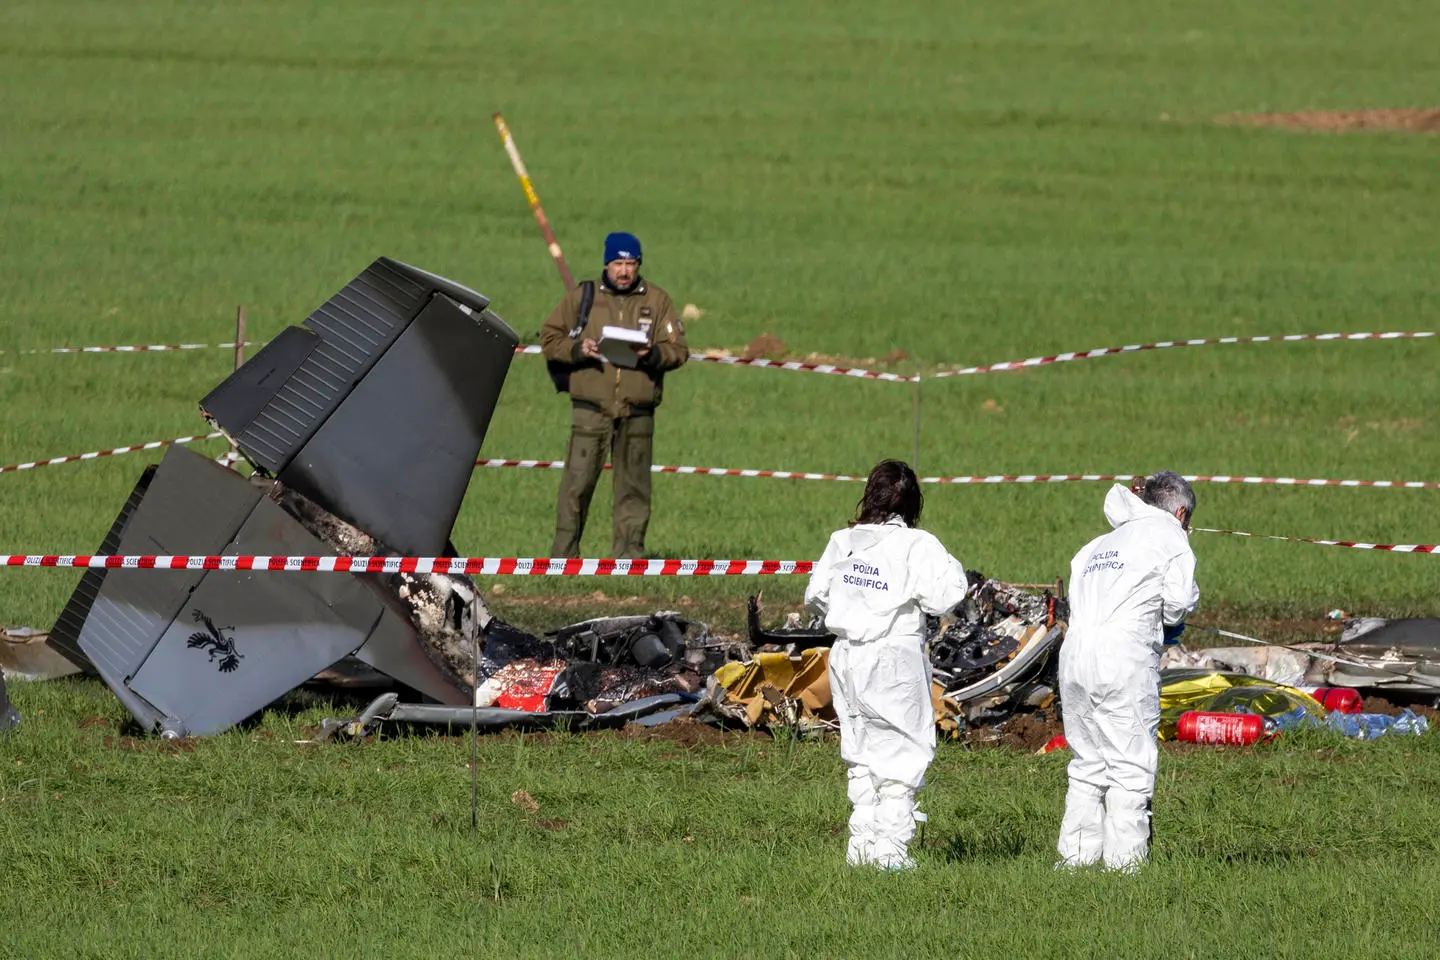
213	639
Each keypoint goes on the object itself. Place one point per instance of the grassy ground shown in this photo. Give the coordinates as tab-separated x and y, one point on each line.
980	184
249	844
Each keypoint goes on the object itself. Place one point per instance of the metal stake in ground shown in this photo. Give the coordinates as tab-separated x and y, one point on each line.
916	464
474	734
534	200
234	456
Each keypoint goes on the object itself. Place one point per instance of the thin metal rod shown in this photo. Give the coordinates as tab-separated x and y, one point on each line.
234	456
474	736
915	461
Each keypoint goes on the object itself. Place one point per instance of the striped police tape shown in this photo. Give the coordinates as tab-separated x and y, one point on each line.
1352	544
860	373
1165	344
96	454
1035	478
981	480
527	566
476	566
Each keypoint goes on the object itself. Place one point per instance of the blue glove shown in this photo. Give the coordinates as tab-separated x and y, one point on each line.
1172	634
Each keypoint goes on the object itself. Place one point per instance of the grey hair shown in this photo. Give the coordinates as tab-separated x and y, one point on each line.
1169	491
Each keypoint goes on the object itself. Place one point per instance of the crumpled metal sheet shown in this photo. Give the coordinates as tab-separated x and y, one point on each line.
1276	664
598	665
1401	656
995	654
776	689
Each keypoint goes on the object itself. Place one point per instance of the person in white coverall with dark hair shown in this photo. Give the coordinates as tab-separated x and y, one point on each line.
874	584
1130	592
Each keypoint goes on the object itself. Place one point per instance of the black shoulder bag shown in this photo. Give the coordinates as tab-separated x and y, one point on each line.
559	370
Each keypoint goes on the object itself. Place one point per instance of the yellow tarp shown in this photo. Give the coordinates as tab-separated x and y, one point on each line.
1183	690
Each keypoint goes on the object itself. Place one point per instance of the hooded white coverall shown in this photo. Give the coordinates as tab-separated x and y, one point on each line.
874	583
1123	587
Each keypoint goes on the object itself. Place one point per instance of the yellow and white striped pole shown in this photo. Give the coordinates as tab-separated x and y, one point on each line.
534	200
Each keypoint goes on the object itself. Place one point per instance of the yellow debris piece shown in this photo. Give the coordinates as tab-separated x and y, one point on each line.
777	688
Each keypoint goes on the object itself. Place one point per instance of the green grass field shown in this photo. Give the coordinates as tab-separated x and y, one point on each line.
968	185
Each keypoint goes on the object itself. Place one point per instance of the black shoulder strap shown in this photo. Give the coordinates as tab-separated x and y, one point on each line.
587	300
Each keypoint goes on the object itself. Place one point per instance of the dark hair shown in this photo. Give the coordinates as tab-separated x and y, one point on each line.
891	491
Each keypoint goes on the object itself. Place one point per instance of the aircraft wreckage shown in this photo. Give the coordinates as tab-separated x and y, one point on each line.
341	467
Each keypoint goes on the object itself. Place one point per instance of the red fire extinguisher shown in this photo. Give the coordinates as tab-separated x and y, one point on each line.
1336	698
1199	726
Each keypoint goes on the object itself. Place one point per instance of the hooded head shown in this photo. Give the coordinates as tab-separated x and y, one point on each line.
1164	495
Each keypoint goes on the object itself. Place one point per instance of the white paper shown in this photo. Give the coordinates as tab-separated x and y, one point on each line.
619	345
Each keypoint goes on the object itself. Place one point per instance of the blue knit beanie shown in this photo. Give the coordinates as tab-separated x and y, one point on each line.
622	246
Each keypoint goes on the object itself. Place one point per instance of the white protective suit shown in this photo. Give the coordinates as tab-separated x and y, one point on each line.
874	583
1123	587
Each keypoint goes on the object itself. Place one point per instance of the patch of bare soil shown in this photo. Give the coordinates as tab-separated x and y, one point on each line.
1024	731
1378	704
766	345
685	732
770	347
1343	121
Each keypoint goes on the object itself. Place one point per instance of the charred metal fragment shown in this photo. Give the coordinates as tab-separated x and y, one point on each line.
792	633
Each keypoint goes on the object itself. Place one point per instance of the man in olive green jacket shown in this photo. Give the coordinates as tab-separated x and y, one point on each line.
612	406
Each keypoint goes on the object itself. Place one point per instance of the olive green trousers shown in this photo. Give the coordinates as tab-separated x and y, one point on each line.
630	442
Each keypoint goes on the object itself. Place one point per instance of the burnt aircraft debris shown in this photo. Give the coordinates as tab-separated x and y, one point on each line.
602	672
1399	658
363	426
994	654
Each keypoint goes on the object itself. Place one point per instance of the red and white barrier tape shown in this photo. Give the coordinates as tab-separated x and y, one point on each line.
476	566
94	454
531	350
1354	545
806	367
1164	344
798	475
860	373
149	348
1193	478
989	479
779	365
697	471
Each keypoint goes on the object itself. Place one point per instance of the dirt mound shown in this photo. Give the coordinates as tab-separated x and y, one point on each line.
1024	731
767	345
1343	121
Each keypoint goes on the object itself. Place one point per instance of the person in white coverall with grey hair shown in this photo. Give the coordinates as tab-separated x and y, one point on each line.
874	584
1130	592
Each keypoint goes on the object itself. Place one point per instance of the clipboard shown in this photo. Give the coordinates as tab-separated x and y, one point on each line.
619	345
